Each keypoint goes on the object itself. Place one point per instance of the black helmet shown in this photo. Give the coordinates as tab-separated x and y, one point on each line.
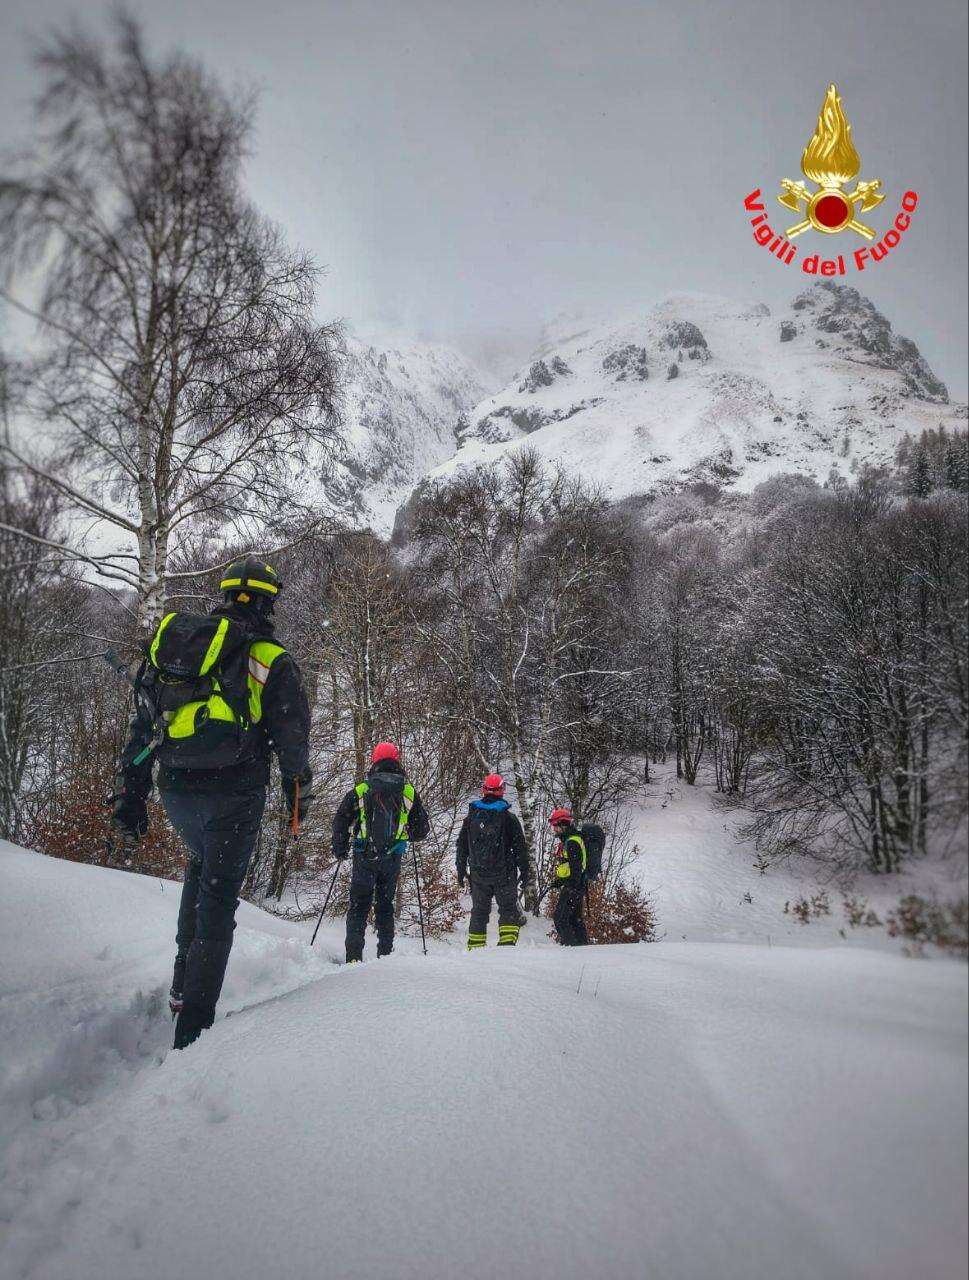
250	577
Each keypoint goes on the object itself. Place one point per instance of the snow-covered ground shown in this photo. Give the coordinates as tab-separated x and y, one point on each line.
717	1105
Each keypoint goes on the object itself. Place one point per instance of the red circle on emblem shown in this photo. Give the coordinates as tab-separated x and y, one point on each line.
832	211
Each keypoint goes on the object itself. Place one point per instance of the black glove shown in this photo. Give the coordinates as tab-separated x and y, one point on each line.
306	797
461	880
341	855
129	817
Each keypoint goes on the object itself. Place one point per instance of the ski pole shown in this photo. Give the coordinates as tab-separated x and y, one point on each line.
329	893
294	820
420	907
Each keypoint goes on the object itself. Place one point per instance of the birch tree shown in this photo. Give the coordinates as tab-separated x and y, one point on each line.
181	381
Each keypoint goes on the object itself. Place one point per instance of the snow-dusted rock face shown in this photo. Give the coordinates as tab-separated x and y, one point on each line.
401	400
699	388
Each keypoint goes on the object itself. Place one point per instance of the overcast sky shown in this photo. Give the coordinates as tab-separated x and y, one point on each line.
468	170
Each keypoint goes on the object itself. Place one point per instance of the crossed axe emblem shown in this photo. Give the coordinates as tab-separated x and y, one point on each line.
864	197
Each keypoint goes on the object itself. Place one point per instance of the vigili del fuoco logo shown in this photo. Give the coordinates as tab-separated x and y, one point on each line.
831	163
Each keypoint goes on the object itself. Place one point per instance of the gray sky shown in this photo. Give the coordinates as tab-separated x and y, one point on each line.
467	170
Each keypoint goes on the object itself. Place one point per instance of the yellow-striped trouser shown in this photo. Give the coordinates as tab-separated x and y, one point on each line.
476	940
507	935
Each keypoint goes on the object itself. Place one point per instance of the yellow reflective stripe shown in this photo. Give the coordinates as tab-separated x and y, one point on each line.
215	647
361	789
153	651
581	844
262	653
226	583
409	794
182	723
563	871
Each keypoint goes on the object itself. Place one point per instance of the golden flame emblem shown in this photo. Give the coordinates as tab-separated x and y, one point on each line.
831	161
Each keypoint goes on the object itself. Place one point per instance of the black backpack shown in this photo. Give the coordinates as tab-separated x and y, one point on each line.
193	683
594	839
383	803
486	844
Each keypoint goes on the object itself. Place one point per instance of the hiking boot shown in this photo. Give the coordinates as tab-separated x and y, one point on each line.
192	1021
175	998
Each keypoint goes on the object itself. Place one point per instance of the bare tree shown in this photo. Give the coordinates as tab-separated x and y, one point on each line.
513	563
182	378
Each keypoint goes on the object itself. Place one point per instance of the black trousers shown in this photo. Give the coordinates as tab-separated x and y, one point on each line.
372	881
482	893
569	924
220	831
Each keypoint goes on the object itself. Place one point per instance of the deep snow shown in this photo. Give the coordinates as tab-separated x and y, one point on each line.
693	1109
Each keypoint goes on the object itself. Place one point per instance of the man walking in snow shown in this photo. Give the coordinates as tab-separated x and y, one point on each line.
214	694
383	813
491	850
569	878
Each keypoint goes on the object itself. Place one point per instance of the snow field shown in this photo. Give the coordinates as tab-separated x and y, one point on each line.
707	1107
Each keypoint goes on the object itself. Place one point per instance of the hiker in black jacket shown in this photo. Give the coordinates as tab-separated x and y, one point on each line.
216	693
383	813
491	849
569	879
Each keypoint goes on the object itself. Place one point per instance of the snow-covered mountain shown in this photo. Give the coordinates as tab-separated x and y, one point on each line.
401	400
699	388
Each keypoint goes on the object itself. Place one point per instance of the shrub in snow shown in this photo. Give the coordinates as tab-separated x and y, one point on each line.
858	913
808	909
944	925
78	829
618	912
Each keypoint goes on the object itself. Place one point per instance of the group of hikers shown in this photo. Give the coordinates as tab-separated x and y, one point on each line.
214	695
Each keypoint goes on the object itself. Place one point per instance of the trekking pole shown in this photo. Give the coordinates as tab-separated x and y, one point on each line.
294	818
420	907
329	894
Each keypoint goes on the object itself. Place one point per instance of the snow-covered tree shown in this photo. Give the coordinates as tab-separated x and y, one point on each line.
180	374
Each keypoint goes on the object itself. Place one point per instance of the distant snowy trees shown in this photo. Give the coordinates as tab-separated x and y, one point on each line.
861	674
179	374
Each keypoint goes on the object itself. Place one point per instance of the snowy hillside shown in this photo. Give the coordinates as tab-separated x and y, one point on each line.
720	1106
698	388
401	400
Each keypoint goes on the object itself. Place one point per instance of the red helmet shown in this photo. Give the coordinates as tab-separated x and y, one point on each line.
560	815
385	751
493	785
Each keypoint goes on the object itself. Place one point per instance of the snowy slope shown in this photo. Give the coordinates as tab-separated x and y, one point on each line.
707	887
687	1110
401	399
698	388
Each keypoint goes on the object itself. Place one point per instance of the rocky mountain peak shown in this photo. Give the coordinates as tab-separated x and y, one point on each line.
698	389
853	326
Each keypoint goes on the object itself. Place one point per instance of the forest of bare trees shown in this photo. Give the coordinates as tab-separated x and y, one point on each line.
801	650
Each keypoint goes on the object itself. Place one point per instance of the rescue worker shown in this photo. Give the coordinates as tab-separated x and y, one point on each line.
569	878
384	813
214	695
491	850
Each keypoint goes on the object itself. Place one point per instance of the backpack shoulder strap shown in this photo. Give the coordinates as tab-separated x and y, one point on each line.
361	790
581	843
407	803
156	638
